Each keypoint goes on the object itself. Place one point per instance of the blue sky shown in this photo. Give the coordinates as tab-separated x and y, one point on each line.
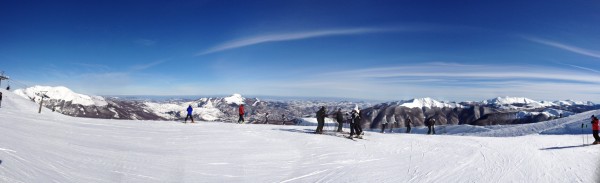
386	50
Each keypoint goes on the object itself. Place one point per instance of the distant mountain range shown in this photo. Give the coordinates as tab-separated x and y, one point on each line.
501	110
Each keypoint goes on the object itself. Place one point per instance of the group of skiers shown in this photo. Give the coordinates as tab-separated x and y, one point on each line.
354	120
407	123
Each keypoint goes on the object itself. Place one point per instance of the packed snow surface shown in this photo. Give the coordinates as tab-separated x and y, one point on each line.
51	147
61	93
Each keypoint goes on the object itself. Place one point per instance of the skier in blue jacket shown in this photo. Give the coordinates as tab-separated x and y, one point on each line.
189	114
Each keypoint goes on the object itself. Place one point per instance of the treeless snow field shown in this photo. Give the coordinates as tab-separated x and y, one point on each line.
51	147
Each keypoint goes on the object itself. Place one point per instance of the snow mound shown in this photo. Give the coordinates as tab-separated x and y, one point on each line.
61	93
234	99
428	103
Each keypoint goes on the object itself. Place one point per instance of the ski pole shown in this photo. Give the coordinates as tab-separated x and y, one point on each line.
582	135
587	138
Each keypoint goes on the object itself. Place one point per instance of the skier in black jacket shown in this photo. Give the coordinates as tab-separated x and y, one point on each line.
431	125
321	120
355	124
339	116
407	123
0	99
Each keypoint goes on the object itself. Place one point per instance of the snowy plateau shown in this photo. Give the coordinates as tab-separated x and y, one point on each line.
52	147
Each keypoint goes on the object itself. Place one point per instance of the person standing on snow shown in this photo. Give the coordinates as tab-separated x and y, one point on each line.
267	118
407	123
0	99
241	112
339	116
392	121
189	114
384	124
430	125
355	123
321	120
595	127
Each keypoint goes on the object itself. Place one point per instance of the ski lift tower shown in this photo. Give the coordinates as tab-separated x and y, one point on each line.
43	95
3	77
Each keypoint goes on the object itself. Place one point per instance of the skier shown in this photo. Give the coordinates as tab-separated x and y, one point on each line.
407	124
0	99
339	116
241	112
189	114
267	118
321	120
392	121
384	124
595	128
431	125
8	88
355	123
283	119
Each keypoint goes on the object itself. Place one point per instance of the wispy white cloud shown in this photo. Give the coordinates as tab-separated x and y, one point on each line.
294	36
93	66
147	65
582	68
574	49
145	42
445	81
468	72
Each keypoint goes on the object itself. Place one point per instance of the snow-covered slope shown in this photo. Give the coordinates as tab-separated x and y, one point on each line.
427	103
61	93
51	147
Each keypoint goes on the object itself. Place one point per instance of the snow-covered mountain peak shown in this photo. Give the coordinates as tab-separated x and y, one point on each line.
510	100
517	103
426	102
61	93
570	102
208	104
234	99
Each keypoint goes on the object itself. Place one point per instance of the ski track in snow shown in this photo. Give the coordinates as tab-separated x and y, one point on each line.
50	147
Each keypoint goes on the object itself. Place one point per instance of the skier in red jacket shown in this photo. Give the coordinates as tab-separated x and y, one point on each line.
241	111
595	129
